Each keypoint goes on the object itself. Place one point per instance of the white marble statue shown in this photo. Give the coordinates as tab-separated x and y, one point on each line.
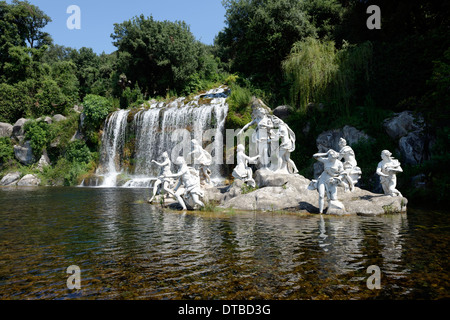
286	147
190	180
202	159
242	170
330	178
263	122
163	182
352	173
387	170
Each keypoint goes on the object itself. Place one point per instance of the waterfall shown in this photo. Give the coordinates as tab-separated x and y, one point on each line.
163	127
112	145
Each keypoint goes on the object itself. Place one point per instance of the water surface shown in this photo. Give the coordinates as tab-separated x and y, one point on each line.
128	249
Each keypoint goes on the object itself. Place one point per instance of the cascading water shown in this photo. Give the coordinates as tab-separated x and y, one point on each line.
112	145
163	128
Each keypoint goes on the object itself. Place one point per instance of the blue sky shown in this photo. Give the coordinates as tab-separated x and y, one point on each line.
205	18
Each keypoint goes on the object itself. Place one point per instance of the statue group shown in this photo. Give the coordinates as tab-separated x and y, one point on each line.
274	142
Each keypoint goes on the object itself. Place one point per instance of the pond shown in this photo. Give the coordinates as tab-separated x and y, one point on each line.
128	249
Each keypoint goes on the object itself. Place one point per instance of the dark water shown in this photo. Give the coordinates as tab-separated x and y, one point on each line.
127	249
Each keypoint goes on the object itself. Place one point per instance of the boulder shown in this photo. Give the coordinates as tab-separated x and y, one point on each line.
47	120
24	154
282	112
18	129
58	118
330	139
29	180
78	109
43	162
79	135
5	130
402	123
413	148
10	179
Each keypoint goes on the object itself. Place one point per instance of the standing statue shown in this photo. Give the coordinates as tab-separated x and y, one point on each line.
263	122
163	182
387	170
287	146
190	180
203	160
330	178
352	172
242	170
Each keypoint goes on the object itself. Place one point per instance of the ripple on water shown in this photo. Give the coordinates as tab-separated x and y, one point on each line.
128	249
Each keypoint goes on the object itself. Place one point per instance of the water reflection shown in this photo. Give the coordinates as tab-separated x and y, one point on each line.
128	249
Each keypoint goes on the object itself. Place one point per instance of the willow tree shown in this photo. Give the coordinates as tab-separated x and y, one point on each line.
319	73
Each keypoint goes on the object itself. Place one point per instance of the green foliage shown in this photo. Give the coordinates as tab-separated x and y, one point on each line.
321	74
6	150
131	98
159	55
38	132
259	35
21	25
96	109
239	103
64	173
49	98
14	100
78	152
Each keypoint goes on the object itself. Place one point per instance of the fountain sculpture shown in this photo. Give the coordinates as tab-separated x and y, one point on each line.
154	133
387	170
242	170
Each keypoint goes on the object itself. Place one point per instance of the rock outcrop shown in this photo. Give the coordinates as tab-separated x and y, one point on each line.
407	129
10	179
5	130
18	129
24	154
29	180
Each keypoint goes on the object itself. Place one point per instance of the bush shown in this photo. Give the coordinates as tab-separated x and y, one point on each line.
49	99
6	150
14	101
78	152
96	109
39	134
239	103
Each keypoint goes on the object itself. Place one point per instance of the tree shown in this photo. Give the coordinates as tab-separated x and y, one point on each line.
30	21
259	35
21	25
159	55
319	73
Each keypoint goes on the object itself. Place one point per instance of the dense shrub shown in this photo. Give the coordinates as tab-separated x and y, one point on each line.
6	150
78	152
96	109
39	134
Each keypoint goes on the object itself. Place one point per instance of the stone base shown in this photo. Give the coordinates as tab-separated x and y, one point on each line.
335	207
290	192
